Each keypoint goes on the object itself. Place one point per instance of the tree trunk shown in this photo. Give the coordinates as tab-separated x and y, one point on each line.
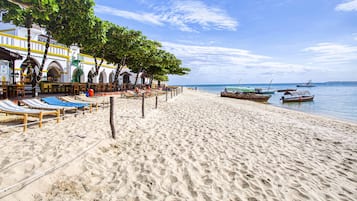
151	79
28	25
119	68
28	42
97	67
33	81
137	75
39	76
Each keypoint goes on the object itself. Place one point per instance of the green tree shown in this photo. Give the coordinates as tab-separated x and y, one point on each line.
94	45
121	45
143	56
26	13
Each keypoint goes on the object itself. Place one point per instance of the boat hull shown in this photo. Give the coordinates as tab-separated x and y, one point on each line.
285	90
247	96
298	99
304	85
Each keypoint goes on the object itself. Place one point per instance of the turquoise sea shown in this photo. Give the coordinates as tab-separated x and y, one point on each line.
334	99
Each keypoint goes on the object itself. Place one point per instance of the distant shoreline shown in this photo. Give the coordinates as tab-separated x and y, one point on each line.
278	83
333	99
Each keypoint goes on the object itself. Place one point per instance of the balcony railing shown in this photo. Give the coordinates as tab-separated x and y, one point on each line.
20	43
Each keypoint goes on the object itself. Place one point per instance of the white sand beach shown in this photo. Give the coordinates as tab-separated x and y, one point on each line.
196	146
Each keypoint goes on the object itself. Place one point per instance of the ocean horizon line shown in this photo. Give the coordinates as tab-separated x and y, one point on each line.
278	83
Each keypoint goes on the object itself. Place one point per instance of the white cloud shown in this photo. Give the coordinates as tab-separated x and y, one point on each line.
332	53
141	17
347	6
185	15
188	12
211	61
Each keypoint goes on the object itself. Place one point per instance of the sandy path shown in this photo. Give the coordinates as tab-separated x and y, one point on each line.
197	146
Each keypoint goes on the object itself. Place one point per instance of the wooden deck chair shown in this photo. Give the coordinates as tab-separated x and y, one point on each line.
72	100
99	100
38	104
8	107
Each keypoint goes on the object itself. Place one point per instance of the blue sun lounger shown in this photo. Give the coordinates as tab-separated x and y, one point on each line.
55	101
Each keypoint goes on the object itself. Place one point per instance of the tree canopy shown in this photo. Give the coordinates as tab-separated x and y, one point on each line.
73	22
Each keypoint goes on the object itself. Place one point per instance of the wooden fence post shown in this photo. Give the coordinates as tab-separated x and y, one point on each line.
166	95
143	105
156	101
111	116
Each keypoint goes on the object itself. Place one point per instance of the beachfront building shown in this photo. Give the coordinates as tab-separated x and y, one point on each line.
63	64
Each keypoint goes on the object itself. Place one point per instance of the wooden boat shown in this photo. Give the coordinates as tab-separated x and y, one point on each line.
264	91
285	90
244	93
297	96
307	84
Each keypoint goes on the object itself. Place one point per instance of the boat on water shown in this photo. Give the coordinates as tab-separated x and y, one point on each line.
285	90
307	84
264	91
297	96
244	93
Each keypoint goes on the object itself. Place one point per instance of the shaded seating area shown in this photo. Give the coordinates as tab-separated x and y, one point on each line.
8	89
8	107
75	88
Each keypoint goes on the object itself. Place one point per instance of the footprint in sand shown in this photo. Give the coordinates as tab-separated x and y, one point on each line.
29	168
5	162
266	182
173	179
208	181
252	199
301	194
245	184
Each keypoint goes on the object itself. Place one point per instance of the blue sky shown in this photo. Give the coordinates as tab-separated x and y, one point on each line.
248	41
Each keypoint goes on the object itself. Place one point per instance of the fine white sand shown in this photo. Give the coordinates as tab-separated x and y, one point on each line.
196	146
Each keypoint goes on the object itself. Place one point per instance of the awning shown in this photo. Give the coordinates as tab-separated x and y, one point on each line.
8	55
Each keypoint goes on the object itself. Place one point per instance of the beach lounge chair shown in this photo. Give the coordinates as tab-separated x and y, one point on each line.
8	107
55	101
37	104
101	100
72	100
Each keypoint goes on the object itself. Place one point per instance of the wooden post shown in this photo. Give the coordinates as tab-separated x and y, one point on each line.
58	115
166	95
40	119
143	105
171	92
156	101
25	122
64	113
111	116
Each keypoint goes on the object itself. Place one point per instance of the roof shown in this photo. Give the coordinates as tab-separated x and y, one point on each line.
297	93
9	55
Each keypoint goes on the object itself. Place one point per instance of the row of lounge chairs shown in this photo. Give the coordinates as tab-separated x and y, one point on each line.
45	106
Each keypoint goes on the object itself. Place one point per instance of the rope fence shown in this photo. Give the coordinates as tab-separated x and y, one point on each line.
6	191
